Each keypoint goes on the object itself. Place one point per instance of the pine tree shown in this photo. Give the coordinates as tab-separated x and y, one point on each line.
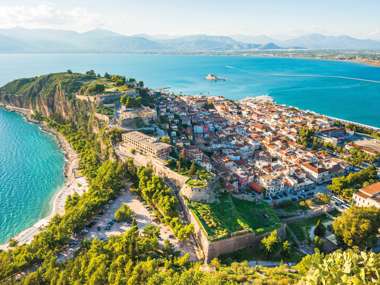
192	169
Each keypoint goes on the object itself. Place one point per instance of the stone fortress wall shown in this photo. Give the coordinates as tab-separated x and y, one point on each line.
211	249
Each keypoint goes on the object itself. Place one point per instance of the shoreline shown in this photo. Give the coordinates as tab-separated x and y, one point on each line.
243	53
74	183
372	63
344	121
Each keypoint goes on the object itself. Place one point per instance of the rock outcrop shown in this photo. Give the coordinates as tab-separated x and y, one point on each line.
50	95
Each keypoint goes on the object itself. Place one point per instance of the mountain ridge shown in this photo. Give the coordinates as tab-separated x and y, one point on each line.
24	40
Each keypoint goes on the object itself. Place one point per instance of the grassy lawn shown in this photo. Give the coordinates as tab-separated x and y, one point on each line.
292	207
229	215
258	253
259	216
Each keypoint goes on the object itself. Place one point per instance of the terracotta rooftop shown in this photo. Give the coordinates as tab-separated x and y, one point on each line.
256	187
314	168
371	190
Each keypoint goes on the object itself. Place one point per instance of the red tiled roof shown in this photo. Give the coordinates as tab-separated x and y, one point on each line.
256	187
313	168
372	189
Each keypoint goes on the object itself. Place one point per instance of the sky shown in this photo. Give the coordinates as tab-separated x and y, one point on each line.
281	18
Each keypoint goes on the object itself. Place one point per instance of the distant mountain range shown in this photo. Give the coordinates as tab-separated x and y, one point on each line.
318	41
20	40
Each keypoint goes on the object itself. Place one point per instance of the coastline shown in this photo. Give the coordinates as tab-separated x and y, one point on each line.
344	121
74	182
372	63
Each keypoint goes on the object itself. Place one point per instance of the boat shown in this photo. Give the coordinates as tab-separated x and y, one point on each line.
213	77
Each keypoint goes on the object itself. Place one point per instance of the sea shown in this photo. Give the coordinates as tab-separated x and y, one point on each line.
31	171
342	90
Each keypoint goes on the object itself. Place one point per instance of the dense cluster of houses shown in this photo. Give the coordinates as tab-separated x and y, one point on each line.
252	144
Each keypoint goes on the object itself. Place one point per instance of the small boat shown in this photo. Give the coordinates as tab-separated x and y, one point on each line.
213	77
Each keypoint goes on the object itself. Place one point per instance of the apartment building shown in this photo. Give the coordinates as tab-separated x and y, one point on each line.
145	144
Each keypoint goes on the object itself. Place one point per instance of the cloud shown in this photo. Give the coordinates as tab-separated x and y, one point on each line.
48	16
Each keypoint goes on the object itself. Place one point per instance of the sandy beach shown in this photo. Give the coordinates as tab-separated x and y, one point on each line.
74	183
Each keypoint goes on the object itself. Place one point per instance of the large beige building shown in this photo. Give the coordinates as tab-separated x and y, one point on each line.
368	196
144	144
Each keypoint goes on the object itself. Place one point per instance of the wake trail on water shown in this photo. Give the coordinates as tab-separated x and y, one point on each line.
326	76
305	75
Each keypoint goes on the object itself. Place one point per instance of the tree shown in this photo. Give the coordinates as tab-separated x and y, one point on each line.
192	169
165	139
182	156
285	250
131	102
168	249
151	231
94	88
345	186
318	242
185	232
324	198
269	242
179	166
320	229
118	79
358	226
305	136
123	214
12	242
91	73
115	136
315	143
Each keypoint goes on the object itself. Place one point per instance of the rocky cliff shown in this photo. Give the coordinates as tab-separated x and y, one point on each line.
51	95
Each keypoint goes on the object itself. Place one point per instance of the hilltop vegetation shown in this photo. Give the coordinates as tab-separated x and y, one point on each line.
49	95
46	85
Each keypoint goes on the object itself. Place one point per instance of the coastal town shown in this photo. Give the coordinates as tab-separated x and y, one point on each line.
189	142
207	178
254	152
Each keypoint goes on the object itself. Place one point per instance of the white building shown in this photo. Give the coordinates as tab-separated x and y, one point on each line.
316	173
368	196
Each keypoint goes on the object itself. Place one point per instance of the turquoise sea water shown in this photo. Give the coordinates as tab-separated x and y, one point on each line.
31	166
31	170
340	89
